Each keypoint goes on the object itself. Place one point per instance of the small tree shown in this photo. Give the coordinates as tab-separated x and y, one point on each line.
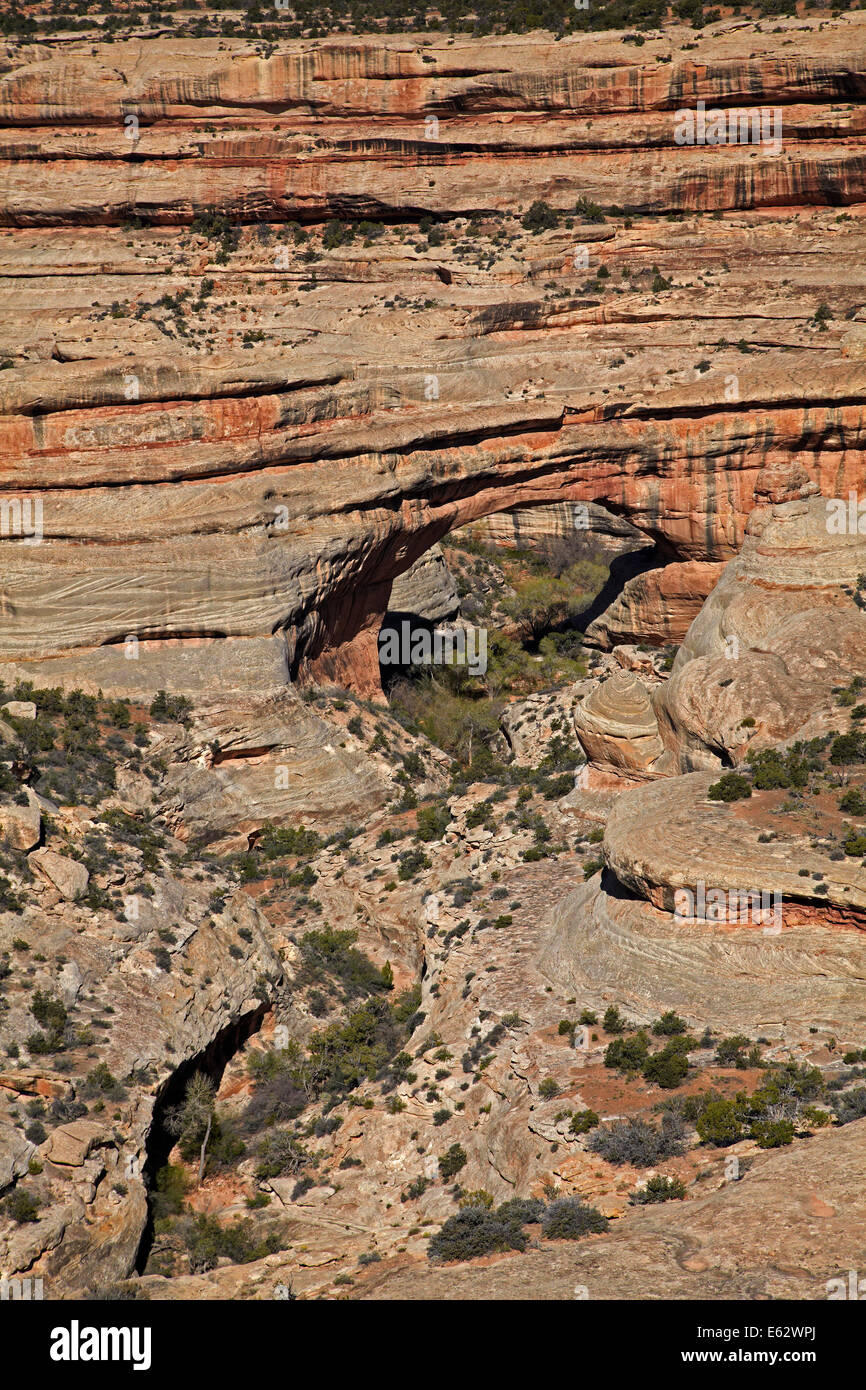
192	1121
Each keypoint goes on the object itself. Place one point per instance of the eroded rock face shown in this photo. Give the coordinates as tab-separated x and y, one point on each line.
240	500
90	1181
246	762
427	589
534	527
609	944
68	876
658	607
21	825
616	724
780	630
670	836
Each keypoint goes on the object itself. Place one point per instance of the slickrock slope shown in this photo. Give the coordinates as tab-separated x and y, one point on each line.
241	439
780	1232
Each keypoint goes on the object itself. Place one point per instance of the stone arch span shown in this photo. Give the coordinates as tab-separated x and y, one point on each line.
245	525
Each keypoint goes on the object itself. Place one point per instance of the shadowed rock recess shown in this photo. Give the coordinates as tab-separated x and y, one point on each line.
306	967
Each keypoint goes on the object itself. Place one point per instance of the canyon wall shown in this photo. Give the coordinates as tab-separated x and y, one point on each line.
231	443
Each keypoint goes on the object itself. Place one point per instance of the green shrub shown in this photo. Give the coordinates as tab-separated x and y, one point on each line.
451	1162
540	217
328	954
627	1054
569	1218
772	1134
479	1198
410	863
583	1121
171	708
658	1189
295	841
772	769
669	1025
588	210
241	1243
854	802
169	1191
433	821
721	1122
732	786
729	1051
848	748
48	1011
22	1206
667	1068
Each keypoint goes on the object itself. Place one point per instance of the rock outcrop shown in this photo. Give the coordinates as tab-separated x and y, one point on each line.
617	726
606	944
427	590
781	630
656	608
669	837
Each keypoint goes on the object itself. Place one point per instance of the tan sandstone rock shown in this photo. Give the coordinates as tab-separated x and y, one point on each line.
20	826
617	726
68	876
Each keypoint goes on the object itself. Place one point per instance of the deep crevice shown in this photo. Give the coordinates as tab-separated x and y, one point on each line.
212	1061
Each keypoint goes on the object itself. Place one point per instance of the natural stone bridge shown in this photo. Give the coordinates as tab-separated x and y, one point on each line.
239	490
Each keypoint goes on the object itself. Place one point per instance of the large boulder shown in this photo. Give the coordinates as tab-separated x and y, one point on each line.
66	875
617	726
20	825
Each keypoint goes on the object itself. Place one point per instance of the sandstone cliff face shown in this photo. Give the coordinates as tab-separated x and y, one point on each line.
427	589
241	489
